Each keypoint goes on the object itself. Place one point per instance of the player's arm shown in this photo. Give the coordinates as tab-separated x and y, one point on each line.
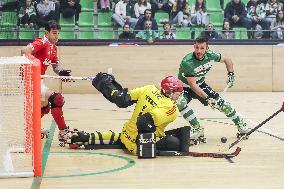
192	83
230	69
228	62
27	50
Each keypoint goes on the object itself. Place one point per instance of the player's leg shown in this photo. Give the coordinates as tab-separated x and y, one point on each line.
196	131
56	101
226	108
78	138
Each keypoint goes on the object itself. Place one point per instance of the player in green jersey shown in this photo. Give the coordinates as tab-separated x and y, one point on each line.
192	72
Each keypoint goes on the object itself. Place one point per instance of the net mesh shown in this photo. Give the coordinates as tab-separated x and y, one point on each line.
16	108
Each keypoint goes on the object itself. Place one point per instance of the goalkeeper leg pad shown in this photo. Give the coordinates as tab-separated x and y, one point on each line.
146	145
183	134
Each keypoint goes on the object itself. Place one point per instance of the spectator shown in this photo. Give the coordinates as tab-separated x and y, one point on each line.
105	5
147	33
168	31
278	26
69	8
227	32
27	14
256	12
199	14
123	14
209	32
11	6
140	7
181	13
46	12
126	34
147	16
160	5
235	12
271	8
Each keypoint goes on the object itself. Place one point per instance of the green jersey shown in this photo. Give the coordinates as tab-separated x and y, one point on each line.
192	67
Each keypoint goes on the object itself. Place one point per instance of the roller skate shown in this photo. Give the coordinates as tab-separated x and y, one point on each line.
44	133
77	138
197	136
243	129
63	136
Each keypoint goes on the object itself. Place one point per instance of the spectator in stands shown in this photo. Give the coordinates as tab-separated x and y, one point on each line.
256	12
278	26
168	31
126	34
11	6
160	5
27	14
140	7
271	8
227	32
235	12
181	13
199	13
46	12
124	14
105	5
70	8
147	33
210	32
147	16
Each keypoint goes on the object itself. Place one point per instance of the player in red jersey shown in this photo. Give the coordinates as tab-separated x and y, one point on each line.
44	48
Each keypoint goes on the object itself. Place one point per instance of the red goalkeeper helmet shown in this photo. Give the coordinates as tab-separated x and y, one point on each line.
171	83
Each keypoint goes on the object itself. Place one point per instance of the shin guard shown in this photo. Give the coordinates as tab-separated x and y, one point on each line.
57	115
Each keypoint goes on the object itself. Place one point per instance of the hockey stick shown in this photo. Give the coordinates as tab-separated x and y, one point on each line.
258	126
68	77
200	154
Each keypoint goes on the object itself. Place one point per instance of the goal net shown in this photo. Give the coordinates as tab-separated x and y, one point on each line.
20	151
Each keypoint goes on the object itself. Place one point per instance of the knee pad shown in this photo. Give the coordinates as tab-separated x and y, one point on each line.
56	100
121	98
168	143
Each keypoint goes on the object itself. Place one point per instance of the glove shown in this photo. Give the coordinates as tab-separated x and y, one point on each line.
65	73
231	79
213	103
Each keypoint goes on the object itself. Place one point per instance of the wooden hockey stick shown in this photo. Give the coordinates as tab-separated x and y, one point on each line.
68	77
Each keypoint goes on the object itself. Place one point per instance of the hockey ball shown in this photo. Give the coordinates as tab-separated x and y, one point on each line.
223	139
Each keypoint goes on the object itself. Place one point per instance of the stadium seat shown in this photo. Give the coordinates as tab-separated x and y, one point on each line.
183	33
104	19
191	2
106	33
26	34
65	22
196	33
161	15
240	33
87	5
86	19
7	33
8	19
213	5
86	33
216	18
67	33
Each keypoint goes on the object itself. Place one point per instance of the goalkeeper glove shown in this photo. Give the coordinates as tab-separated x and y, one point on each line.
214	103
65	73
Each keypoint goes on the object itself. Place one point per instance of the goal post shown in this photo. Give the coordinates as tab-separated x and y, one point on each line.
20	119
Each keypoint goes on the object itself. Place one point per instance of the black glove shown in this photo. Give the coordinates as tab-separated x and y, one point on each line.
67	74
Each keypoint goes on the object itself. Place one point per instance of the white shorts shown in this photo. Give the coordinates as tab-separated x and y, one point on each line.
43	89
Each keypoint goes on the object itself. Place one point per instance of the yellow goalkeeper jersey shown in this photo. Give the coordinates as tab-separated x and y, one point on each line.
148	99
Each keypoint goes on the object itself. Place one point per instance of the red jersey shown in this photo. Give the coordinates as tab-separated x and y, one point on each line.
45	52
